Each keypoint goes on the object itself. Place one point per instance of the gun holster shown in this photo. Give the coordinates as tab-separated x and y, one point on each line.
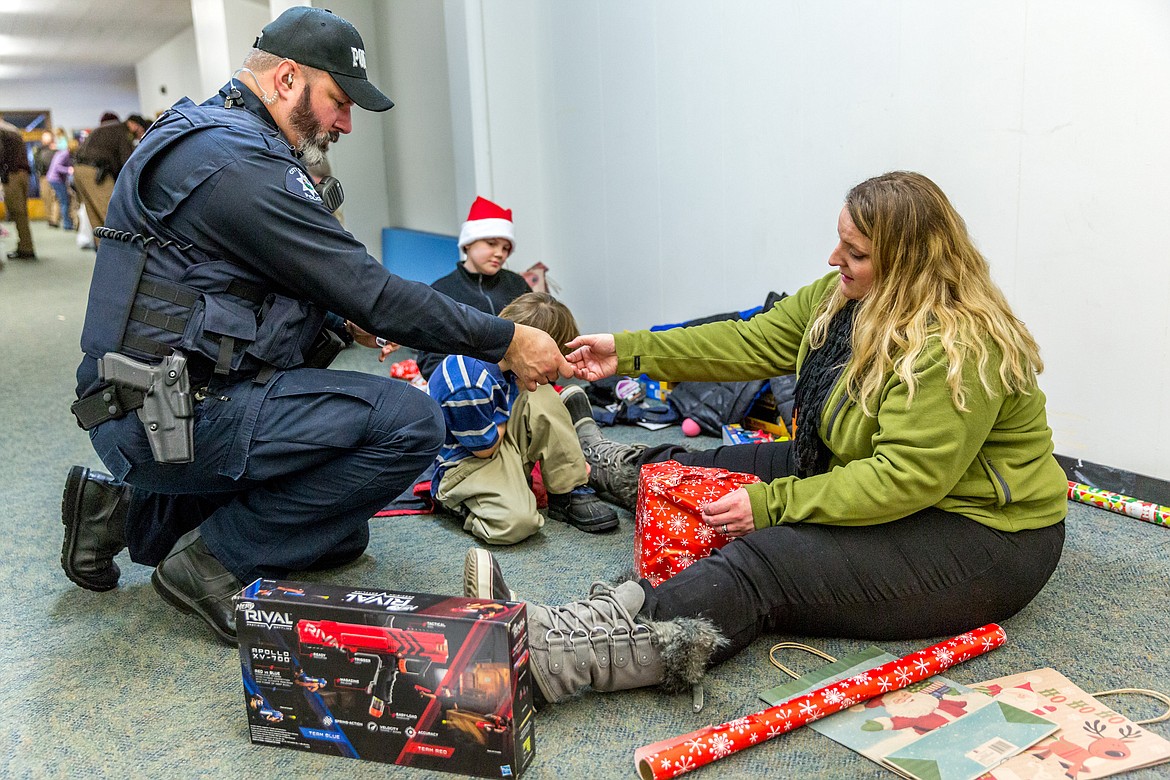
168	412
162	395
110	402
327	347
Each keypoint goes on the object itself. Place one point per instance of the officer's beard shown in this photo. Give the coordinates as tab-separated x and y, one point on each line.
315	139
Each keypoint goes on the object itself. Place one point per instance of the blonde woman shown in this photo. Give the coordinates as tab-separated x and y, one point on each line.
919	497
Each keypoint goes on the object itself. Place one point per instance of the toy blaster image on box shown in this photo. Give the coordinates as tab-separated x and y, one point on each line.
424	680
377	656
472	704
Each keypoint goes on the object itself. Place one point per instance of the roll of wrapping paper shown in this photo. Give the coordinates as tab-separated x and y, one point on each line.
1115	502
679	755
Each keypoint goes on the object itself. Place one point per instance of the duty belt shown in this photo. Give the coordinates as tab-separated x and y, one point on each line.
164	402
183	297
109	403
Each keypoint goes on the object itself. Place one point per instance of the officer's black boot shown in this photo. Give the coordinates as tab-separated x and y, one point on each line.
93	510
192	580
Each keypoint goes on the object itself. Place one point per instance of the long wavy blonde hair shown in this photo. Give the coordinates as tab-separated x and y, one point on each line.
929	281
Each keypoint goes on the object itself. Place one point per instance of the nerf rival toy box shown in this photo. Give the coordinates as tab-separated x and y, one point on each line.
432	682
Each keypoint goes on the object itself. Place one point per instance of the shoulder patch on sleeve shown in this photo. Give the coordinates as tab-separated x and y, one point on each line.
298	182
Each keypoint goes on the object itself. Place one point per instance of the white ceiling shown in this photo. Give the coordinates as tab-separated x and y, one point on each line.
60	39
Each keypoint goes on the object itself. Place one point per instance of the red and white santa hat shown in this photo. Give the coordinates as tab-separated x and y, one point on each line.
486	220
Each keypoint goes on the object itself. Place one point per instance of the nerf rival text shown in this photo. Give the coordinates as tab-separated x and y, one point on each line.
428	681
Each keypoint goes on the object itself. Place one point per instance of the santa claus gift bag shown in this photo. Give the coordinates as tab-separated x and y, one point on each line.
668	534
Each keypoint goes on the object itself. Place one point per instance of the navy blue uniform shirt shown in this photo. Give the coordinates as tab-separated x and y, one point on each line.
241	195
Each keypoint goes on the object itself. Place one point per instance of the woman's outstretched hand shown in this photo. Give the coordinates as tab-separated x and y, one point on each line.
594	356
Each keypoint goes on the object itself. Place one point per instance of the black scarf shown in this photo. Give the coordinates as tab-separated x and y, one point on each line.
818	375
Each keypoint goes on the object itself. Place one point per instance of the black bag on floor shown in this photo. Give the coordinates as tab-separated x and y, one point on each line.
715	404
710	404
784	392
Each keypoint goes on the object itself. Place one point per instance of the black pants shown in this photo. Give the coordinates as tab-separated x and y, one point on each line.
931	574
286	476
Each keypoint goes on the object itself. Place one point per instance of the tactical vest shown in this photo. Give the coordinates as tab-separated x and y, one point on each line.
152	292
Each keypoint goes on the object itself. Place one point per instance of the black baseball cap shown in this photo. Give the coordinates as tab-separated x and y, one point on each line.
323	40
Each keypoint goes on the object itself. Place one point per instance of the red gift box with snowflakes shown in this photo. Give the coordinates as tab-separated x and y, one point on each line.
668	534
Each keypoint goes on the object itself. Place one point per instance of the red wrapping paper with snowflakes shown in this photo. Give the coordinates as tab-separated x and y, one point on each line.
668	534
679	755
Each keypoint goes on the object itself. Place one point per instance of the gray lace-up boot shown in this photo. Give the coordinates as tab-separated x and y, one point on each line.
613	466
599	642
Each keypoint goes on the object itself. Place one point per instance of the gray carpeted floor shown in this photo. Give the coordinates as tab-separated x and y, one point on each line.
120	685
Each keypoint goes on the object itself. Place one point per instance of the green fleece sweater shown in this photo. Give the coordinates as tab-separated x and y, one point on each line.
992	463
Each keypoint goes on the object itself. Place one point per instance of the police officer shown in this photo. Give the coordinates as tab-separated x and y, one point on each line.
221	264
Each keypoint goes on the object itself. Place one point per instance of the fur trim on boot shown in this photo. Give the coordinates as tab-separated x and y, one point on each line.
686	646
627	575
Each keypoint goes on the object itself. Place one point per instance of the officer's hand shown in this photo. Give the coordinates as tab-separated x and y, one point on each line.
594	356
373	342
535	358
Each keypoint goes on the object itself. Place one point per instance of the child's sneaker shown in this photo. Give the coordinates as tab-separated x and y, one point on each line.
482	578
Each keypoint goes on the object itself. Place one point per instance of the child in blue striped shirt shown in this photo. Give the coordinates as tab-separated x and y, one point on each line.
497	432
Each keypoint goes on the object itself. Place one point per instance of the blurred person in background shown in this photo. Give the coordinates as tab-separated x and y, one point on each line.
57	177
41	160
137	126
97	163
15	173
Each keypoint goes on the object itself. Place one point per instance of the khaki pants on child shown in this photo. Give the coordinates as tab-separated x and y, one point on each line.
493	494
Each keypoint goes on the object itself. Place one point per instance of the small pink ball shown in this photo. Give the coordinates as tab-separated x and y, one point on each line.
690	427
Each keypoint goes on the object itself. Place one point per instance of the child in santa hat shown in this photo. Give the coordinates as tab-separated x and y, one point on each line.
486	241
